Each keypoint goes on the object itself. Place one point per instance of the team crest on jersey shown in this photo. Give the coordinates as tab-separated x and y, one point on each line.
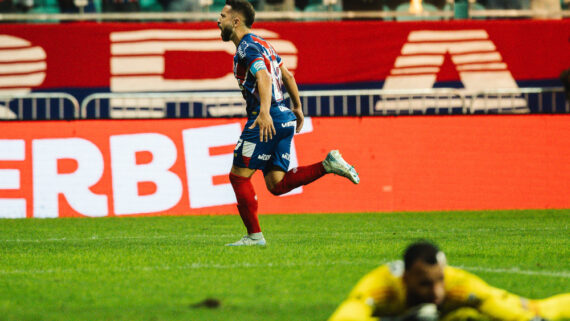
396	268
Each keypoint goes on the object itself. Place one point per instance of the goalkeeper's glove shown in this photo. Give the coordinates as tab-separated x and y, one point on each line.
422	312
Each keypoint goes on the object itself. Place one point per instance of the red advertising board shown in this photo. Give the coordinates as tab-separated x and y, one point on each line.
122	57
180	167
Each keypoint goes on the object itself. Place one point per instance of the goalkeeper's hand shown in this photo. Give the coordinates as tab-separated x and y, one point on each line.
422	312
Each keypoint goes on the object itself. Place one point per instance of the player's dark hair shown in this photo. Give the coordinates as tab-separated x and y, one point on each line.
245	8
421	250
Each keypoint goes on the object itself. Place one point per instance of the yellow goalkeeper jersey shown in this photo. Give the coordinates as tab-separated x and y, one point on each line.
381	293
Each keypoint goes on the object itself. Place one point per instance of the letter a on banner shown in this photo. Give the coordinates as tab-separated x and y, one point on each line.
479	64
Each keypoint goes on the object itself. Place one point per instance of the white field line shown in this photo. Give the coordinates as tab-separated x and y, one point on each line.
119	238
193	266
198	266
217	236
515	270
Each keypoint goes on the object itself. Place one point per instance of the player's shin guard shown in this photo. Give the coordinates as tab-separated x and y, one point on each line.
247	202
297	177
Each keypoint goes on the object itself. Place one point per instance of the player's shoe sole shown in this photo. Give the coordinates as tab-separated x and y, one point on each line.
334	163
248	241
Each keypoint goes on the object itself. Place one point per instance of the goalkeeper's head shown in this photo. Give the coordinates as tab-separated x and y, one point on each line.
423	275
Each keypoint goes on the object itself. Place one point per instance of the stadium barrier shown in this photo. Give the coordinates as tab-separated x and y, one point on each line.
539	100
46	106
180	166
38	106
330	103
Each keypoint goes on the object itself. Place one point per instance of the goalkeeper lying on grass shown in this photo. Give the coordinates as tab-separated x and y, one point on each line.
424	288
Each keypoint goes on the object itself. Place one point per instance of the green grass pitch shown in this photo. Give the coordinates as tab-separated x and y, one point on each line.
159	268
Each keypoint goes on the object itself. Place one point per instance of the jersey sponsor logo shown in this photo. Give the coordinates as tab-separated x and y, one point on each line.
241	49
286	156
292	123
264	157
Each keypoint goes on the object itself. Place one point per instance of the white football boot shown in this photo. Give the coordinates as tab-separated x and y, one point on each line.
334	163
249	241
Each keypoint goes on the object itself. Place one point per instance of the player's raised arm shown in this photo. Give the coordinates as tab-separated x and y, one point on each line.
293	90
263	120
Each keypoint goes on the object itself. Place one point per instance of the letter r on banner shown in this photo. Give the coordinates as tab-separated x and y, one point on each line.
127	174
48	183
201	167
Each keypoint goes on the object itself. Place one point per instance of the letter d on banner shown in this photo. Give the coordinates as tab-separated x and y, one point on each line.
127	174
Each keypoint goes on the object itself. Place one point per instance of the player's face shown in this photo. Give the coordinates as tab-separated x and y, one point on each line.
225	23
425	283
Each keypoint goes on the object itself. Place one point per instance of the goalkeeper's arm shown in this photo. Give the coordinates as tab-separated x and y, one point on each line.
353	309
358	310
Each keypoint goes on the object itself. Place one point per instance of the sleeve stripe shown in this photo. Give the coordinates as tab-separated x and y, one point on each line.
254	60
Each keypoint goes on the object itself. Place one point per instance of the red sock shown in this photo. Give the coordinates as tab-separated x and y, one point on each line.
247	202
297	177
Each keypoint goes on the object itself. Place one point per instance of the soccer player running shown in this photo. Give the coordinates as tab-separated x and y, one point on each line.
424	288
265	142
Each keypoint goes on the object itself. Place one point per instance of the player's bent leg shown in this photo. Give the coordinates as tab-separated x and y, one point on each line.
554	308
278	182
334	163
240	178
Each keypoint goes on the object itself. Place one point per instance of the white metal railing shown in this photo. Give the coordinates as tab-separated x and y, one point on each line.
278	15
517	100
315	103
14	106
156	105
527	13
327	102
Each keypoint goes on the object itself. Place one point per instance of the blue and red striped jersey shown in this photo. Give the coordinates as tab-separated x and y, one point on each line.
254	54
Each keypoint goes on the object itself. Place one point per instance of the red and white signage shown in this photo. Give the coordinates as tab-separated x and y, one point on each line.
180	167
473	54
190	56
22	65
